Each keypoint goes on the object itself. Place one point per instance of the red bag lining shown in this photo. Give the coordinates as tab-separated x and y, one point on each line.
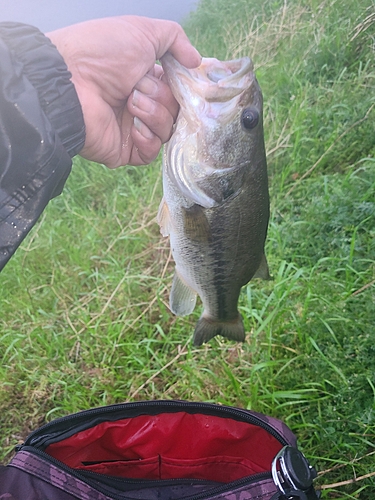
170	445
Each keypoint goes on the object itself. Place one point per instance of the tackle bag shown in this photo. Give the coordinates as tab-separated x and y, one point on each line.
159	450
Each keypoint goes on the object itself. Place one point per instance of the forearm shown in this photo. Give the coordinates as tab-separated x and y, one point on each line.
41	127
128	110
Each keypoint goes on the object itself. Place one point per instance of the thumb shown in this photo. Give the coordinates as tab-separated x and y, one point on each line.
172	38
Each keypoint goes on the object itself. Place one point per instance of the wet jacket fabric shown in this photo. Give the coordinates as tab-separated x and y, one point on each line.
41	129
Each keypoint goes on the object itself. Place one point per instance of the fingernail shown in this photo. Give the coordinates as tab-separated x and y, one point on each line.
142	101
147	85
135	98
142	128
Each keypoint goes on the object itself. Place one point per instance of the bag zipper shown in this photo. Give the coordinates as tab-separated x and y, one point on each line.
222	488
40	441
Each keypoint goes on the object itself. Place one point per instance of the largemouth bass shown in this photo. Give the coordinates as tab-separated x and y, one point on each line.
215	207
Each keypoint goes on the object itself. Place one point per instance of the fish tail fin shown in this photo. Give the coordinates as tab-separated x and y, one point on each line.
207	328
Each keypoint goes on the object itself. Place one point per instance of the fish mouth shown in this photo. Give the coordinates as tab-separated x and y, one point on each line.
212	81
223	73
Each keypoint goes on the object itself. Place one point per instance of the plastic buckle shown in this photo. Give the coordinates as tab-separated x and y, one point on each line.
293	475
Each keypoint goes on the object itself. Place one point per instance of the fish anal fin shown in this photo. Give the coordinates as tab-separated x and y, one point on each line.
263	272
182	298
196	226
163	218
208	328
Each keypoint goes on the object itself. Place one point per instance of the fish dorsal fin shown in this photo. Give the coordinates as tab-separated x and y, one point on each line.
263	272
182	298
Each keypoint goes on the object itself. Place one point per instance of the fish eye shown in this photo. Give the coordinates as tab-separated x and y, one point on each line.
250	118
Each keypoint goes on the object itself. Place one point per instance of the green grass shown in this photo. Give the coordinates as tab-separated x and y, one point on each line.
84	319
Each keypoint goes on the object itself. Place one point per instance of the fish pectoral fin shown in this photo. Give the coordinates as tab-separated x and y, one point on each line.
182	298
207	328
196	225
163	218
263	272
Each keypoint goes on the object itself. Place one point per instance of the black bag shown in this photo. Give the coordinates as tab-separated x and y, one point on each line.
159	450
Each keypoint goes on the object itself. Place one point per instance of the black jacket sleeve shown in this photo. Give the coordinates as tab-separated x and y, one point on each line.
41	129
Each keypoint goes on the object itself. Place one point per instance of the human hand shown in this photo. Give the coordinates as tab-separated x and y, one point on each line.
128	109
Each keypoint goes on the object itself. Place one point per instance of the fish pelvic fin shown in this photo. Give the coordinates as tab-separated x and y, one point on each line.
263	272
182	298
207	328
